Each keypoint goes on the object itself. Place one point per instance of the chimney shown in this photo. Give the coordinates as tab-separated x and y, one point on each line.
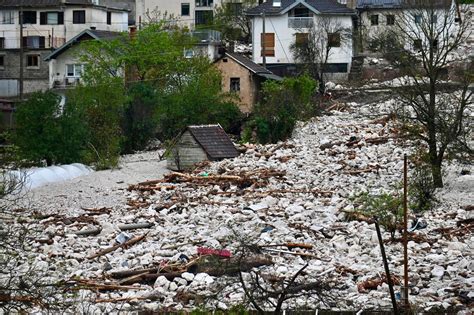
277	3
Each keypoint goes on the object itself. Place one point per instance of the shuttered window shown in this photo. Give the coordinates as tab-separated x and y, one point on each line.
51	18
301	39
268	41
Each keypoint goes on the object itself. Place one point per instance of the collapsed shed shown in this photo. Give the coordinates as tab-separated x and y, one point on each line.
200	143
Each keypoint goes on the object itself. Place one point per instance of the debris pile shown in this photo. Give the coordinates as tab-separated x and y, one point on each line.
286	204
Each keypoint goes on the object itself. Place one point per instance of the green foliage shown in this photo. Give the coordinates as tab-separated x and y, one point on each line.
139	124
387	208
231	21
100	100
422	189
45	133
283	104
197	99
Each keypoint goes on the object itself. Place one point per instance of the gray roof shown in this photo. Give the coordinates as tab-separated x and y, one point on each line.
395	4
214	141
53	3
84	35
379	4
322	6
252	66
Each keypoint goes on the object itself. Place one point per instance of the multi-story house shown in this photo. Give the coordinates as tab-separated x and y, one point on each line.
290	22
190	13
47	25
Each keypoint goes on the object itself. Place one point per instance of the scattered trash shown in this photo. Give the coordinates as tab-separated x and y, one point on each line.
257	207
418	224
215	252
267	229
123	237
183	258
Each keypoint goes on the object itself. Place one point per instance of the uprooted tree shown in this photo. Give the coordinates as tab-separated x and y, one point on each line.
429	36
314	46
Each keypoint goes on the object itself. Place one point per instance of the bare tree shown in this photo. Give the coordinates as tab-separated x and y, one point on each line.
430	34
232	22
314	46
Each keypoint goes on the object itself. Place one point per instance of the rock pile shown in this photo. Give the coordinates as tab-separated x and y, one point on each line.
273	196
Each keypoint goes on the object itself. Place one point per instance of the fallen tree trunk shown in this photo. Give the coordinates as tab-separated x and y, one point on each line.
128	243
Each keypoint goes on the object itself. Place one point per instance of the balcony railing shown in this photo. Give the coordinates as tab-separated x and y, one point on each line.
207	36
300	22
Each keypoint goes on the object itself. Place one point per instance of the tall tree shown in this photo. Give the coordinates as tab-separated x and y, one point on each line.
429	34
230	19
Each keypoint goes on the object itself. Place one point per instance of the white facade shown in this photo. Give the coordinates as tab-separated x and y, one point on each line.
66	69
55	35
282	26
186	12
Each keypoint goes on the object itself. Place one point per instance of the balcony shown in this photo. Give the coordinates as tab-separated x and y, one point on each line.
300	22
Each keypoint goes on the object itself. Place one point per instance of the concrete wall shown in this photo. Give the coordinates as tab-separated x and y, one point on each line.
186	153
95	17
285	36
248	85
145	8
35	79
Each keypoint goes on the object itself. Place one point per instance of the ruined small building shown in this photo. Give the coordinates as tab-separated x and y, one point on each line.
200	143
242	76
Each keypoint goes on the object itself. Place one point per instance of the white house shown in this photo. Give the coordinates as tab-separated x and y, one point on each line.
288	21
65	68
189	13
47	24
377	17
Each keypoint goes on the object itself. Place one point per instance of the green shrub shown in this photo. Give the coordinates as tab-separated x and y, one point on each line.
46	132
421	189
282	105
387	208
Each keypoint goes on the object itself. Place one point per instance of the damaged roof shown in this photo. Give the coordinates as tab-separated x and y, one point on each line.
213	139
319	6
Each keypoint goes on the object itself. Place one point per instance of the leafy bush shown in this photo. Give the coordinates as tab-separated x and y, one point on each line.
139	124
47	132
422	189
387	208
283	104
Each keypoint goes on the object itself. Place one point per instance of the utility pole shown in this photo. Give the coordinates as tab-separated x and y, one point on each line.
21	53
264	50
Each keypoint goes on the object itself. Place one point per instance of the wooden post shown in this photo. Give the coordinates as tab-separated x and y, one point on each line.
387	270
264	46
21	53
405	232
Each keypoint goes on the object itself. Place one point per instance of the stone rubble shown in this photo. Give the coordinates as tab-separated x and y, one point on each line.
346	253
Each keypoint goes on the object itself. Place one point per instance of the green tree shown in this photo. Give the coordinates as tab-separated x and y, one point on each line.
283	104
230	19
47	132
435	113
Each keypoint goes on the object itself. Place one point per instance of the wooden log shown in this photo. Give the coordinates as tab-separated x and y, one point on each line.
289	245
92	231
291	253
128	243
134	226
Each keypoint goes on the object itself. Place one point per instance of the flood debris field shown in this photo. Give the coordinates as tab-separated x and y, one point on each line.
177	242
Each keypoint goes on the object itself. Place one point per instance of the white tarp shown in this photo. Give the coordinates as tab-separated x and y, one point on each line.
36	177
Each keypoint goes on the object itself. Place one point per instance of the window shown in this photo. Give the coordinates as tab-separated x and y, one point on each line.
390	19
2	61
334	40
302	12
6	17
109	18
74	70
434	19
185	9
434	44
29	17
51	18
79	17
374	19
2	42
301	39
234	8
417	44
32	61
268	41
203	17
235	84
34	42
417	18
204	3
